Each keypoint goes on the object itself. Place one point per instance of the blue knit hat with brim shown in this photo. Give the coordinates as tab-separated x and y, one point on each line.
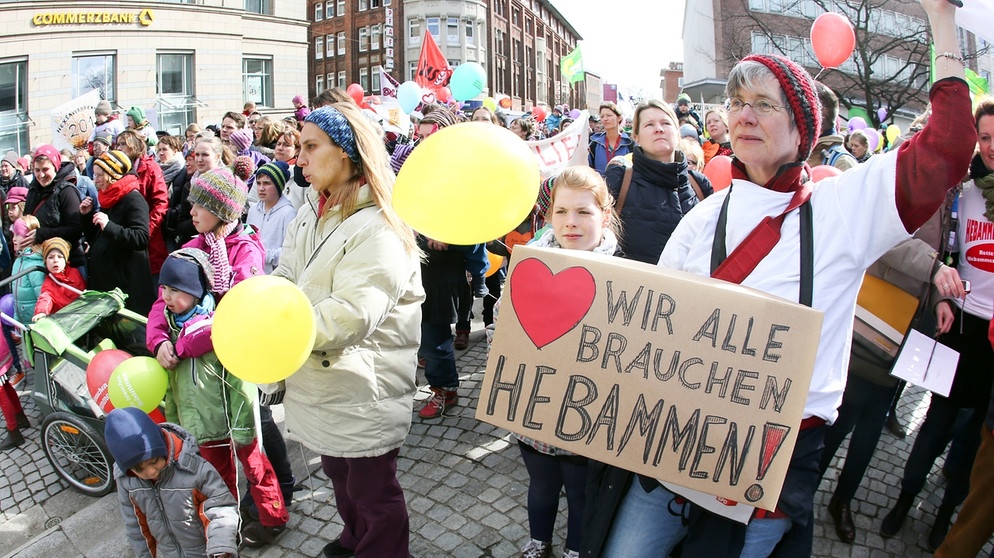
188	270
133	437
334	123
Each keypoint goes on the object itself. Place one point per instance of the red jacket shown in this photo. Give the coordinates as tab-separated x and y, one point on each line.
153	189
59	290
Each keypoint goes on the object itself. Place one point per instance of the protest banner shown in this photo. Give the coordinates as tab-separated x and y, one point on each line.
696	382
565	149
433	71
73	122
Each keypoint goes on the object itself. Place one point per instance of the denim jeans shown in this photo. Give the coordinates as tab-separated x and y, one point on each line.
440	358
648	524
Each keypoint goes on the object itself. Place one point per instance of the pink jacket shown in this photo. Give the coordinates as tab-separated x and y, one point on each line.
246	255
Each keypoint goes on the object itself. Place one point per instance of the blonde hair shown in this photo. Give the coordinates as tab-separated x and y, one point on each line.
690	146
586	179
32	223
375	170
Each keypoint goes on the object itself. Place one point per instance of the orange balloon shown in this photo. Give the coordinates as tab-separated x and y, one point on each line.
833	39
719	172
823	171
505	102
495	263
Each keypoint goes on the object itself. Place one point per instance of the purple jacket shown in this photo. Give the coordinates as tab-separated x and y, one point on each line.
246	254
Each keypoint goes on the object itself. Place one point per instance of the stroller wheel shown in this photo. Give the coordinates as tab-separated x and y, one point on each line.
78	454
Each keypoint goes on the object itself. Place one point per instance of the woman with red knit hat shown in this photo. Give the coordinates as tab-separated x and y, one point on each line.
813	244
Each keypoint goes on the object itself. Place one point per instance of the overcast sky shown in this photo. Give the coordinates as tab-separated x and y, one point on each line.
627	41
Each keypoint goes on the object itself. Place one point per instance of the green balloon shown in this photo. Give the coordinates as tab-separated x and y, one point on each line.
138	382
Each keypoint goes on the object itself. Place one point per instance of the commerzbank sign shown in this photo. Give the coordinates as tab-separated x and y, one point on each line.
83	17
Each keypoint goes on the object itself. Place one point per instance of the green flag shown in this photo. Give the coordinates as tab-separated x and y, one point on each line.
571	66
978	85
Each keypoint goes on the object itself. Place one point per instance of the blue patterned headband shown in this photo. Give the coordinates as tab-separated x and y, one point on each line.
334	123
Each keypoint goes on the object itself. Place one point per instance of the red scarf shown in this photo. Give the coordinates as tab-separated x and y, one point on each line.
743	260
109	196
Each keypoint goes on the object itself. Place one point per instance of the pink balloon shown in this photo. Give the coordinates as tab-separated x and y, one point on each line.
355	91
719	172
833	39
823	171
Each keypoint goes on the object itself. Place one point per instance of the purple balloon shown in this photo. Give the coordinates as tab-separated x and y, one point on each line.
857	123
7	307
882	114
574	114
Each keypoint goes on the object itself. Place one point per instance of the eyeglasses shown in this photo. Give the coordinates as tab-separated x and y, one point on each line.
762	107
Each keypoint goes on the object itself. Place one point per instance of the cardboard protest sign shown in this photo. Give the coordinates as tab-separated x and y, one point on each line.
696	382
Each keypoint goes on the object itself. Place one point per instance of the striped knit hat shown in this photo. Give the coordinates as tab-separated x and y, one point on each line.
802	97
278	172
55	243
219	192
240	139
115	163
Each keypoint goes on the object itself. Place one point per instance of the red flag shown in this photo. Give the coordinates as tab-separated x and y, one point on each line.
433	69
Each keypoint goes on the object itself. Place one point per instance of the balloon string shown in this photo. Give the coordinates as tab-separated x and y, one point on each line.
819	73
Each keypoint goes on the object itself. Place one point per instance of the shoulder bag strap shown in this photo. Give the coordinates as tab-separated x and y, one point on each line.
695	186
625	184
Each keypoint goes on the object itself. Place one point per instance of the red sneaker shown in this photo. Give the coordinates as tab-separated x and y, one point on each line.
441	401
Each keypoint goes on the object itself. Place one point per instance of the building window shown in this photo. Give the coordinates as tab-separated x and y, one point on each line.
386	2
257	81
331	80
264	7
14	118
363	39
319	13
341	8
374	36
329	46
434	26
329	11
341	42
373	4
319	85
318	48
176	92
341	79
364	78
452	30
375	86
95	71
470	35
363	5
414	32
412	68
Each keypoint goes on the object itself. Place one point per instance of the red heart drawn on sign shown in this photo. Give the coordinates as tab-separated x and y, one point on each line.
550	305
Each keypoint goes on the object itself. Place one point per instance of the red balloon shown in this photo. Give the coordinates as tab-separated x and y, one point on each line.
443	94
505	102
719	172
833	39
98	371
539	114
355	91
823	171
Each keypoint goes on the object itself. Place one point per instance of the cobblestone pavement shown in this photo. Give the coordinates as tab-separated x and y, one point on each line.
465	486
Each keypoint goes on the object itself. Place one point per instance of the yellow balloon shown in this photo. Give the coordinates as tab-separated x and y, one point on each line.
893	131
490	103
495	263
263	329
467	184
880	141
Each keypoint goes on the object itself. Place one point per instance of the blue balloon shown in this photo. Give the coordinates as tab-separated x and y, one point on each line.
409	96
468	81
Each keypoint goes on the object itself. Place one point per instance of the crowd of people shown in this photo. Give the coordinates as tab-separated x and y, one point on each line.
175	222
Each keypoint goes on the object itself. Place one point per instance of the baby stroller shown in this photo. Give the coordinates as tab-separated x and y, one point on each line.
60	347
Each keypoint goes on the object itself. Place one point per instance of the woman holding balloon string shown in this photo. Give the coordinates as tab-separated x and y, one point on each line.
359	265
218	199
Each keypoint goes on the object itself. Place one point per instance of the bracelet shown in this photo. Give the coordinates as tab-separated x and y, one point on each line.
951	56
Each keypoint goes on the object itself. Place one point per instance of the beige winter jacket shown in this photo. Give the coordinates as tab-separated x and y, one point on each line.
354	395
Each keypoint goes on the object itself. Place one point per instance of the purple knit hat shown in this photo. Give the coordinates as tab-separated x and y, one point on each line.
241	139
802	97
221	193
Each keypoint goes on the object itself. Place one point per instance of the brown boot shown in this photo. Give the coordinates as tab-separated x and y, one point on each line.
842	517
12	440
